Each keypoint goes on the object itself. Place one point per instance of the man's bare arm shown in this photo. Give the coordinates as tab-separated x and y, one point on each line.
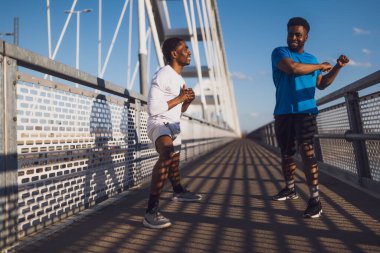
326	80
182	97
291	67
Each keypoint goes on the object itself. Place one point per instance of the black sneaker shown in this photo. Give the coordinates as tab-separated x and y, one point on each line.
156	220
314	208
285	194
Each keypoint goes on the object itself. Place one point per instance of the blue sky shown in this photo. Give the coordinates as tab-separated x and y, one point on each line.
251	30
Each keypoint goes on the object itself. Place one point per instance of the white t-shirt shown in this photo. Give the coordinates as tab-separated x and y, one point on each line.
166	85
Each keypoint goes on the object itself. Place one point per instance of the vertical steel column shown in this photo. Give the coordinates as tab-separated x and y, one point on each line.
356	126
142	48
3	234
8	153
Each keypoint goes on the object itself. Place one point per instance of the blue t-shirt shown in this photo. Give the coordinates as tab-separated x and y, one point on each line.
294	93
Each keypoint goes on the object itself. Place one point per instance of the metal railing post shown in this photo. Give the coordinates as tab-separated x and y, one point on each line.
138	177
275	144
271	132
8	153
356	126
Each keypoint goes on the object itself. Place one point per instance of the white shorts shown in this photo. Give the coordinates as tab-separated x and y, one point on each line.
170	129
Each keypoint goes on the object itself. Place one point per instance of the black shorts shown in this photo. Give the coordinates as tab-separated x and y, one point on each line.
294	127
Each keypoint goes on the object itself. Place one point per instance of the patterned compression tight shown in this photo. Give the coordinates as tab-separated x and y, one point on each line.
310	168
288	169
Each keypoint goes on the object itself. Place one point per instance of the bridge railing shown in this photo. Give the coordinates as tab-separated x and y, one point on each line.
348	140
67	147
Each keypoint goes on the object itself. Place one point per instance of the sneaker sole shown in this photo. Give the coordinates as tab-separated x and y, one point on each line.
186	200
148	225
285	198
313	216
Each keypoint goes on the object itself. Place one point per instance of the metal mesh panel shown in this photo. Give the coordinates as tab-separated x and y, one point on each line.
373	151
73	150
149	155
370	112
338	153
333	120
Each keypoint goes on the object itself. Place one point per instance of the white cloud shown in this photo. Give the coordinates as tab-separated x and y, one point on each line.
366	51
240	76
359	31
359	64
254	114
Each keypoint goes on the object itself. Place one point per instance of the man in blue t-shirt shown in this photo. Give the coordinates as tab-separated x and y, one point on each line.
296	74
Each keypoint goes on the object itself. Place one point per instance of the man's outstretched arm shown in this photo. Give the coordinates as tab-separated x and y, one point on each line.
326	80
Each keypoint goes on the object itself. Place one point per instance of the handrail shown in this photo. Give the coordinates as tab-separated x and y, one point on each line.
34	61
360	84
31	60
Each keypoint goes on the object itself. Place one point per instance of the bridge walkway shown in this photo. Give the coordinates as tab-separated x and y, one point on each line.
236	215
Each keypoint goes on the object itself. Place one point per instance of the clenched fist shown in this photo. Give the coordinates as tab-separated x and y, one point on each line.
342	61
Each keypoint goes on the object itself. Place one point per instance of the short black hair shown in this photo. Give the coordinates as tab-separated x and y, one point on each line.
299	21
168	46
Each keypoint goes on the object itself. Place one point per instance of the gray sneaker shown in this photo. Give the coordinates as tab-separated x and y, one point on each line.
156	220
186	196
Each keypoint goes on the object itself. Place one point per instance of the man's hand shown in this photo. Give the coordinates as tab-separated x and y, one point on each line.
186	95
189	98
190	95
342	61
183	95
325	80
325	67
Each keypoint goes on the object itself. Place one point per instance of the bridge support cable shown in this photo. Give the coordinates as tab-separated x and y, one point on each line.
63	29
48	27
100	37
205	39
218	64
232	115
130	43
190	19
152	23
114	38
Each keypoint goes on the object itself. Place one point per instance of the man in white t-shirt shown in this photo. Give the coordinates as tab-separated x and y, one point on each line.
168	98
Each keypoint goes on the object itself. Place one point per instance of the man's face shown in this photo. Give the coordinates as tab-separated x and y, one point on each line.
182	54
297	36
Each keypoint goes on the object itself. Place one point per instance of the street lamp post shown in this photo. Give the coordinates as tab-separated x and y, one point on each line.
15	33
78	26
